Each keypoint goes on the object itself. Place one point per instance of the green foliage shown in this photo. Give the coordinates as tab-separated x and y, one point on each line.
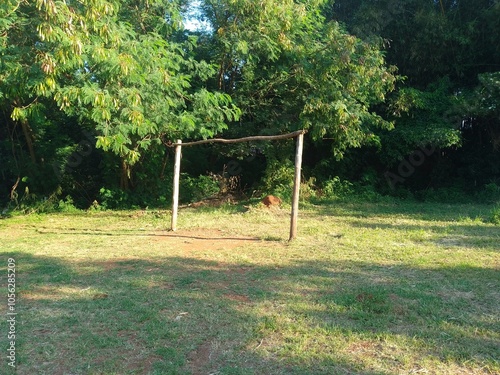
196	189
130	75
308	190
67	205
495	215
483	105
444	50
118	68
30	203
113	198
428	40
336	188
278	179
486	97
490	193
443	195
287	68
423	119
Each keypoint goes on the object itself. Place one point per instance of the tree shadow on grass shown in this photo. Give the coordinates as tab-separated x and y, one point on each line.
177	315
453	235
417	211
143	233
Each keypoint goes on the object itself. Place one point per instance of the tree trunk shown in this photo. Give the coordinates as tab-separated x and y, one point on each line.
125	175
29	139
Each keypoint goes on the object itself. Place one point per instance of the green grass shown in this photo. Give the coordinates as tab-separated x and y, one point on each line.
387	288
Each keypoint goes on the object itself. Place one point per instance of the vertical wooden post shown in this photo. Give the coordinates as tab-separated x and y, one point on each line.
175	194
296	186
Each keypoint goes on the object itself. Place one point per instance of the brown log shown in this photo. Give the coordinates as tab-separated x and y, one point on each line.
245	139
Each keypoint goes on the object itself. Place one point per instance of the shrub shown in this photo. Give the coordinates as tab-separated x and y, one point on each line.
113	198
193	189
490	193
443	195
495	214
278	179
307	189
336	188
67	205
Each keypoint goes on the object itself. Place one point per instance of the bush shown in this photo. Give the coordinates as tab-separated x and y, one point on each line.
490	193
336	188
30	203
193	189
308	190
67	205
495	214
113	198
368	193
278	179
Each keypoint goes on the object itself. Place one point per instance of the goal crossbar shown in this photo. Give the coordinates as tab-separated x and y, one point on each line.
299	134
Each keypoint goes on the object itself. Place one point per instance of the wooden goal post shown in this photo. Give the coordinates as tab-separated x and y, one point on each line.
296	181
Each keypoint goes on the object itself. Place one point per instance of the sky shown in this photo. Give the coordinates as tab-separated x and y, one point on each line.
191	22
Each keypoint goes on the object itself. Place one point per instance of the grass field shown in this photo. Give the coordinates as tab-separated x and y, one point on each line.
393	288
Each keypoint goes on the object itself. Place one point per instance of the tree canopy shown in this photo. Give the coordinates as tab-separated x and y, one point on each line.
114	66
288	68
125	76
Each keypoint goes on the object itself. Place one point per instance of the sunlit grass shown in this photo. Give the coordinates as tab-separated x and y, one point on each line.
392	288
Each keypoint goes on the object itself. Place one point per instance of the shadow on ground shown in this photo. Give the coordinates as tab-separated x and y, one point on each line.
179	315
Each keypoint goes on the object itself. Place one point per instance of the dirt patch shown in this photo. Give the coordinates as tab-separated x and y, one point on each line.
200	358
203	239
363	347
454	241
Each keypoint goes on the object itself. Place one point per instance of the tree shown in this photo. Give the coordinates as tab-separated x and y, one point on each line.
428	40
442	48
287	68
118	68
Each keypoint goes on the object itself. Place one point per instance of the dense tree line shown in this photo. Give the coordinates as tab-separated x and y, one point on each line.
397	95
449	53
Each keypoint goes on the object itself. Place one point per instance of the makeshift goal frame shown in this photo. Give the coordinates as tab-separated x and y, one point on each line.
296	182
